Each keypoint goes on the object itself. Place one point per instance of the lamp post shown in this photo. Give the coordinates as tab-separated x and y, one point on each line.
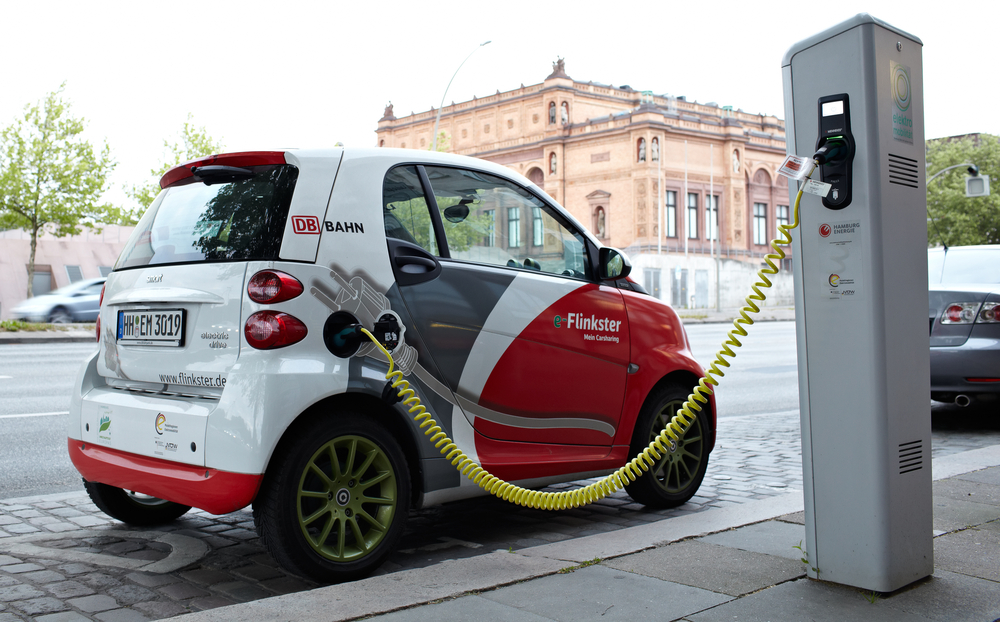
973	170
437	120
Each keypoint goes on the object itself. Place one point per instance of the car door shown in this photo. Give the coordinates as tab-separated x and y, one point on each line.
534	349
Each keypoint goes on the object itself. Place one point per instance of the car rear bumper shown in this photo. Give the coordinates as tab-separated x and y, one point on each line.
212	490
971	369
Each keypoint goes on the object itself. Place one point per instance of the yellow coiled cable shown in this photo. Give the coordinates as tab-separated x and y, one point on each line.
668	437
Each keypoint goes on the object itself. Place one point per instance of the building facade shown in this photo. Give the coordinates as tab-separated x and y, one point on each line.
655	175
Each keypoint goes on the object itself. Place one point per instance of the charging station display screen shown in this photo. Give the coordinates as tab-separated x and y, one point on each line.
833	108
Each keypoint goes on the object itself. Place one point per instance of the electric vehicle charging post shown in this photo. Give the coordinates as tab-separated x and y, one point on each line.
854	92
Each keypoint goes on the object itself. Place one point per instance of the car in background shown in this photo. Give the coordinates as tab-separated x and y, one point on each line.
964	315
77	302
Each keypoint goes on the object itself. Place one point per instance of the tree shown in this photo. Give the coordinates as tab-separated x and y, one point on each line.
955	219
194	143
51	179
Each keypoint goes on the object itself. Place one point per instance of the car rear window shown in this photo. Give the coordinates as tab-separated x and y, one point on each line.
971	265
194	221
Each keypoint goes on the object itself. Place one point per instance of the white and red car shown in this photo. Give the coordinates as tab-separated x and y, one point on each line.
228	372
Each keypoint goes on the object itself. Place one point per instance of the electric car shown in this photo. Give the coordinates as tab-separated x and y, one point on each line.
964	297
231	371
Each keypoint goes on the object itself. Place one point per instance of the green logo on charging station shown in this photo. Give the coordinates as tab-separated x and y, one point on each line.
902	95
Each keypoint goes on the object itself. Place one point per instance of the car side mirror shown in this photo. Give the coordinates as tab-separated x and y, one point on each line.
614	264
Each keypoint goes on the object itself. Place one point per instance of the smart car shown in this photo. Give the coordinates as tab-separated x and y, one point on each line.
76	302
964	318
229	371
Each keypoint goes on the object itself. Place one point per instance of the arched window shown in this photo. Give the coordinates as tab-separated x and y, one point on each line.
552	113
642	150
600	223
537	177
552	163
381	143
654	149
565	113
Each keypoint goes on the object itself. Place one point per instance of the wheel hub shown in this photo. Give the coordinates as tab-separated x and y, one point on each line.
343	497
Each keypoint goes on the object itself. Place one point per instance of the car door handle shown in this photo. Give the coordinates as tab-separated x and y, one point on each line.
414	260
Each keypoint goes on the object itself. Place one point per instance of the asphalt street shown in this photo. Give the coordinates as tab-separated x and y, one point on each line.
36	381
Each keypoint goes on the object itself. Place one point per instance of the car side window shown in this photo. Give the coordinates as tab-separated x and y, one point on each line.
493	221
405	211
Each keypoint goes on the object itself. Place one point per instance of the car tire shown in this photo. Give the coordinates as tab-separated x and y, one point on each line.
133	508
675	477
60	315
335	498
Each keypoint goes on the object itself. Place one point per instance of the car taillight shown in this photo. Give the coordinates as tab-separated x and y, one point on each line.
100	303
960	313
990	313
266	330
271	286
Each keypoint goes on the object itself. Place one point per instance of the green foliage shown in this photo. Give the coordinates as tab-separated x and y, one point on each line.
51	179
955	219
443	144
194	142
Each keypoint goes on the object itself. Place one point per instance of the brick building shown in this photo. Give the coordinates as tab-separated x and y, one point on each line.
603	152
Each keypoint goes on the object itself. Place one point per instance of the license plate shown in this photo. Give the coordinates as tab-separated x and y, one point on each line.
152	327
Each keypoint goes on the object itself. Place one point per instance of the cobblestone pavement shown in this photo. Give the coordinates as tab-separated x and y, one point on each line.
61	560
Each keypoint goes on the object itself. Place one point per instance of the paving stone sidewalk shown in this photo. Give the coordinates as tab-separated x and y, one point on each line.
61	560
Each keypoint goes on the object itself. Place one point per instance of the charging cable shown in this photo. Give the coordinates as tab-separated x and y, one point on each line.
657	448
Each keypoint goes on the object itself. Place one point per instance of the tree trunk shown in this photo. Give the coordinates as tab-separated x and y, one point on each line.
31	262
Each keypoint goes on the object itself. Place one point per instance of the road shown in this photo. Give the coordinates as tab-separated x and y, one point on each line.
763	377
36	380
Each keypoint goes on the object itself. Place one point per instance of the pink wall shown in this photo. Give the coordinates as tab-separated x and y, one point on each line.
88	250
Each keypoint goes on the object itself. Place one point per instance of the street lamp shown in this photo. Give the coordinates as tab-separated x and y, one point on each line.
438	119
980	188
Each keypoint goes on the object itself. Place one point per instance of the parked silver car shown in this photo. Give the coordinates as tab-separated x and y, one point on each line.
77	302
964	296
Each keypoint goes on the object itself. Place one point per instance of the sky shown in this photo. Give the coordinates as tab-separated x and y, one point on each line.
274	75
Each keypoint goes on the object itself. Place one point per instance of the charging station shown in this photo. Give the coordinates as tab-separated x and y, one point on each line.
855	92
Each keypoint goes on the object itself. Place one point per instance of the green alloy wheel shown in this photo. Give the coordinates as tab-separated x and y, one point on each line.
676	476
336	503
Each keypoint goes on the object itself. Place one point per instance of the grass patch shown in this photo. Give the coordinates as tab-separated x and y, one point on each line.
13	326
570	569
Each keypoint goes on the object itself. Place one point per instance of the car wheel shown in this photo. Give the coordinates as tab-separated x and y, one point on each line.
676	476
334	502
133	508
60	315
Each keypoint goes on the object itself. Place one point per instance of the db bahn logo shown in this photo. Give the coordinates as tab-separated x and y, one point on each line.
308	225
825	230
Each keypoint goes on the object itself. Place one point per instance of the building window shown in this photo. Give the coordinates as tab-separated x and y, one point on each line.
600	223
105	270
74	273
654	149
712	217
671	223
642	150
552	113
381	143
760	223
782	216
513	227
491	227
537	227
692	216
565	113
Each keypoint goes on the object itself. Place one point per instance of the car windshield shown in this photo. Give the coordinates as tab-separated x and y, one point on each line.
194	221
964	265
68	290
